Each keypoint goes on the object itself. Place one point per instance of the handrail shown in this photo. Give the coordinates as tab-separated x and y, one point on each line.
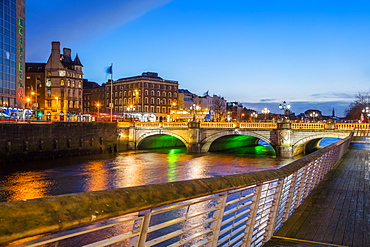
21	219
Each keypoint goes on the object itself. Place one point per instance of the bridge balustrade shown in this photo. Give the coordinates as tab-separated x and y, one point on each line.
218	125
320	126
257	125
351	126
240	209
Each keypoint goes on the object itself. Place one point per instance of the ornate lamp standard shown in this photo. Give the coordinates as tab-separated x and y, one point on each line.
313	115
365	112
265	111
254	115
286	108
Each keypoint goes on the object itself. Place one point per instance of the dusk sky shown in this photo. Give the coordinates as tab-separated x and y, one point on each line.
314	54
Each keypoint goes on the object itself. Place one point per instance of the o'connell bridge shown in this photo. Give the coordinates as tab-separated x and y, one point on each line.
288	139
319	200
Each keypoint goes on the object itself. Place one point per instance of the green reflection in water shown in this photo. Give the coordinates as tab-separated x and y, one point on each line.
172	157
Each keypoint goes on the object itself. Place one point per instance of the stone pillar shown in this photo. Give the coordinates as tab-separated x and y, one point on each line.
194	136
285	145
131	138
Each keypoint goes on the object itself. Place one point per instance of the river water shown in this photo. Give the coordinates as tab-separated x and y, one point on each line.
108	171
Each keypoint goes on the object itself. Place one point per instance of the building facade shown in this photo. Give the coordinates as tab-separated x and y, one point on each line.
55	88
12	17
147	97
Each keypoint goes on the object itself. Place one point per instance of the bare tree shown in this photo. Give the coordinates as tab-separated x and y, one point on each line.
219	108
355	109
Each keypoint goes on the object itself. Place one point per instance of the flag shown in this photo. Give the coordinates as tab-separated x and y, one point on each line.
110	69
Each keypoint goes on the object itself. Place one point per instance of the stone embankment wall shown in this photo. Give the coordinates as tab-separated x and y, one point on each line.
21	142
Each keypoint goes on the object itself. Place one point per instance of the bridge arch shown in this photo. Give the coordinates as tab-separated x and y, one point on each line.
300	145
207	142
141	139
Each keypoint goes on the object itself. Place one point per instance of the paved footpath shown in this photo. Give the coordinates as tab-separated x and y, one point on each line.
337	213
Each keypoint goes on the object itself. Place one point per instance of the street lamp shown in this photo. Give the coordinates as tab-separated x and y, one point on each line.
57	102
97	106
265	111
254	115
28	102
285	107
313	115
131	109
366	111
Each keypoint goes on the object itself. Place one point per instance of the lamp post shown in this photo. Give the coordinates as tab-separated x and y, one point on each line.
57	102
265	111
285	107
97	106
131	109
28	102
136	95
254	115
242	117
365	112
313	115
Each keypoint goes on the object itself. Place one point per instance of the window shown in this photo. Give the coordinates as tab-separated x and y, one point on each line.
158	93
146	100
158	101
152	101
146	92
152	93
62	82
49	92
169	94
68	83
163	94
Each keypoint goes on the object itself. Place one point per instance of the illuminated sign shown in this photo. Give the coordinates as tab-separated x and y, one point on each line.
20	58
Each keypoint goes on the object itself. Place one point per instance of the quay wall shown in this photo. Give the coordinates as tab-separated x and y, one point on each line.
30	141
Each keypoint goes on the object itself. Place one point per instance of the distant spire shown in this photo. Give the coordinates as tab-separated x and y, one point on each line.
333	113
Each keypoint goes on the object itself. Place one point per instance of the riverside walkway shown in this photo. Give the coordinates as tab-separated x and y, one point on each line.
337	212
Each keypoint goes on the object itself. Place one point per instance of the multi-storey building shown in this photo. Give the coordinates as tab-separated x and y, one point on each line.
12	18
147	97
55	88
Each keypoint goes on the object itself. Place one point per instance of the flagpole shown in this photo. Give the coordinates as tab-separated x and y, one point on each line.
111	93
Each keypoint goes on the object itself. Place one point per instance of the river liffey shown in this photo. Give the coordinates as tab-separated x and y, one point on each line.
108	171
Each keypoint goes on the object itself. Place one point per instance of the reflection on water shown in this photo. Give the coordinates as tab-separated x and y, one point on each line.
133	168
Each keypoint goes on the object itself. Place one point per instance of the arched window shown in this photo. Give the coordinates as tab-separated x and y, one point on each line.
164	94
146	100
152	93
158	93
146	92
169	94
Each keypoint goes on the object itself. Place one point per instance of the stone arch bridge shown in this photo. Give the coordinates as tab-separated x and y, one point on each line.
287	139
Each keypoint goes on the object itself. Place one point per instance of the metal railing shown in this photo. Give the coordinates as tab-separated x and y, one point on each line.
234	210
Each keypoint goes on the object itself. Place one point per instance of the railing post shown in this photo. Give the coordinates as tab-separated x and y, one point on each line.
290	197
274	210
252	216
141	225
218	215
300	188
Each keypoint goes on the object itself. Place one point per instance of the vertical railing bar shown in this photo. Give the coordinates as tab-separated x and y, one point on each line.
273	211
143	225
301	185
290	197
252	216
216	225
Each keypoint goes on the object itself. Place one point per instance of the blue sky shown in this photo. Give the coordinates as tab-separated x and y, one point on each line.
312	53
